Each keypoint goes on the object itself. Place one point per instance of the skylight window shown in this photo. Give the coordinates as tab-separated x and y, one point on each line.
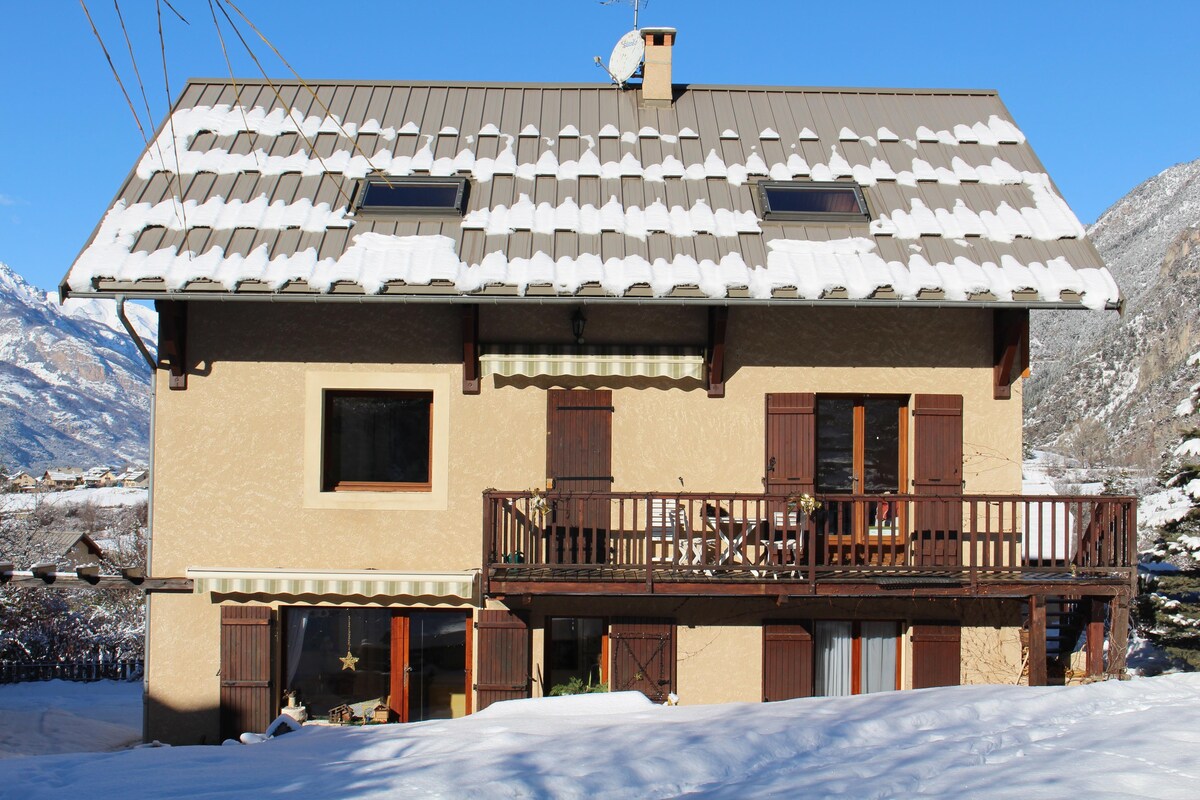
432	196
811	201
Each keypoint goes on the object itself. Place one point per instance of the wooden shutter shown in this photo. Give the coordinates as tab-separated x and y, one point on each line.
937	472
503	646
579	461
247	700
936	654
791	443
787	661
643	656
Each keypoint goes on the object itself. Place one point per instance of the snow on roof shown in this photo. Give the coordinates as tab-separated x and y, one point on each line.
265	213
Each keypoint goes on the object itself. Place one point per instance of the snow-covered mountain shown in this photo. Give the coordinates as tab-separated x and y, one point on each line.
73	388
1104	386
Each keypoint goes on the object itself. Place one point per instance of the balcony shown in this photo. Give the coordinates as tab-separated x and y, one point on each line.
741	544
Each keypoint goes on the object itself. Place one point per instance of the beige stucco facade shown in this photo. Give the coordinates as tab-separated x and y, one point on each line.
236	483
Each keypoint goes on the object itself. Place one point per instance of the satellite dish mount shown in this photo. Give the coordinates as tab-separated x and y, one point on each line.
626	57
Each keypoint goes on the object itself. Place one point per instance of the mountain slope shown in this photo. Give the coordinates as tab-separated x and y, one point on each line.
73	388
1104	386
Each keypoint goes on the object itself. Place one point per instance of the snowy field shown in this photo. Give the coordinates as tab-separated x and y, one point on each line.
65	717
103	497
1135	739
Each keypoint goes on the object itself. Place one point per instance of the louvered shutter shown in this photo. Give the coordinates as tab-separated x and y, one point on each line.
247	700
503	645
936	654
937	472
791	453
643	656
787	661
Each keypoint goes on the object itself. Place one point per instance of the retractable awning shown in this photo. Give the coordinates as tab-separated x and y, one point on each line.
675	363
359	583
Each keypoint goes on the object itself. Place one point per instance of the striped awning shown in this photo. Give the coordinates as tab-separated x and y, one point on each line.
583	360
334	582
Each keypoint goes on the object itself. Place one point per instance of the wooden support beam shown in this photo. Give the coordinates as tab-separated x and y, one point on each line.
1037	641
71	580
172	341
133	574
1010	344
44	570
714	366
1118	635
1096	609
470	339
91	573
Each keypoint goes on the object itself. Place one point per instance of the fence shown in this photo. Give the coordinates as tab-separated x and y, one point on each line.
130	669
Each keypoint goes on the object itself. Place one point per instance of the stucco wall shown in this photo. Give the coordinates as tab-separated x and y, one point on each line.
230	451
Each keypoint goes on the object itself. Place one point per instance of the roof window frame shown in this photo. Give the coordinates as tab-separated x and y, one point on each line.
459	208
762	201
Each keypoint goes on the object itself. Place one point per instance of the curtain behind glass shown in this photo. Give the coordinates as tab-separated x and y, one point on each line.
878	656
297	624
833	645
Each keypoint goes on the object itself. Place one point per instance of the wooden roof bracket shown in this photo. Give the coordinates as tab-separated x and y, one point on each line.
1010	345
470	339
714	358
172	341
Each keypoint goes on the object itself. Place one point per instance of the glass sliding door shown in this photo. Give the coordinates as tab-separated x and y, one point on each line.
336	656
833	645
435	672
878	645
855	657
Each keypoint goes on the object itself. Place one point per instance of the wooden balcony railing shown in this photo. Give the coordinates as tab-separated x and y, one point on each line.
637	540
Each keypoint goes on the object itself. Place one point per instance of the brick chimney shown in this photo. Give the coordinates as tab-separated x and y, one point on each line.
656	73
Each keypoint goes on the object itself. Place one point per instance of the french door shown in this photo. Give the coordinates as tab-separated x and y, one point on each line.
431	663
859	445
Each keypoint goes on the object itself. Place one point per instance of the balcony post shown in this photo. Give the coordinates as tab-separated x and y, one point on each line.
649	544
1095	637
1118	635
489	530
1037	640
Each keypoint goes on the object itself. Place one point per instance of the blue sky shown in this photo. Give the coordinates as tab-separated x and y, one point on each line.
1107	92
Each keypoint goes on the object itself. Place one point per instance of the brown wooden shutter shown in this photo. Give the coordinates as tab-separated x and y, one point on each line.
936	654
579	461
787	661
503	646
643	656
937	472
247	700
791	443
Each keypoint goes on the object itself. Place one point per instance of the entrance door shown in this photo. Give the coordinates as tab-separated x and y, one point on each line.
578	461
860	451
431	661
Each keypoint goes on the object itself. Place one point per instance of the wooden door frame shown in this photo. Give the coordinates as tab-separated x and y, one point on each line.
397	680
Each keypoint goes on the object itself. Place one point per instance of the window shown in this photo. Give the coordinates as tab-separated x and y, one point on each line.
430	196
316	644
812	201
575	648
377	441
856	657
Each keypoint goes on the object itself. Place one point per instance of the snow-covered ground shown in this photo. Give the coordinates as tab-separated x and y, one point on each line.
1133	739
65	717
101	497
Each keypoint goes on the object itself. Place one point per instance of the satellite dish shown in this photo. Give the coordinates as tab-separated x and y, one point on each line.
626	56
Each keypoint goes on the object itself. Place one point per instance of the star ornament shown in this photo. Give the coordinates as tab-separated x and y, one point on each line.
349	661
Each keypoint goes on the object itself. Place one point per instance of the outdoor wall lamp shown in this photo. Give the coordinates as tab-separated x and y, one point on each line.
578	321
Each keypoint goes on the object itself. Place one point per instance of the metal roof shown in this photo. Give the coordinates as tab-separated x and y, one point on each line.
578	191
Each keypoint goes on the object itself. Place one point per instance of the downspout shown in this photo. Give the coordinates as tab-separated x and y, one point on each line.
141	346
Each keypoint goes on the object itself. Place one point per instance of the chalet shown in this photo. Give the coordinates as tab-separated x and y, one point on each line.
22	481
67	548
97	477
132	479
466	390
60	479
